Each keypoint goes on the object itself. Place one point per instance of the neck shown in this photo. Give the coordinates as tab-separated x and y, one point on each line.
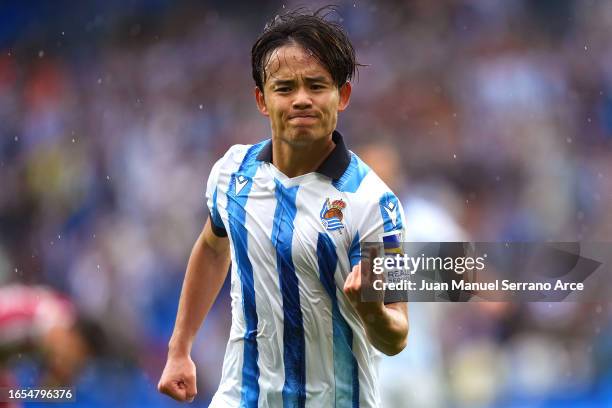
295	160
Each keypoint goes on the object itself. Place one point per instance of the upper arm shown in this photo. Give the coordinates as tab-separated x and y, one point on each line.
219	244
214	220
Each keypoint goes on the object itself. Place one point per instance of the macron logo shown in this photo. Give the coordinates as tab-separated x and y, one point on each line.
241	181
391	212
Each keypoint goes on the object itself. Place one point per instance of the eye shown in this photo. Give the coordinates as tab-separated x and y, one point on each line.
283	89
317	86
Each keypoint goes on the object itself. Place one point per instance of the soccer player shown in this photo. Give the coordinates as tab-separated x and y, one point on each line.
291	213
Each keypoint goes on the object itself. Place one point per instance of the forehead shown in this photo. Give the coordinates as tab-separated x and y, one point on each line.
291	61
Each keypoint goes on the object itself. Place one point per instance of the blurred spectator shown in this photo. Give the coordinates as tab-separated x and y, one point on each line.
491	119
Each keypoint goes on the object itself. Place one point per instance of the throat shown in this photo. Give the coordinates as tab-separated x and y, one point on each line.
294	161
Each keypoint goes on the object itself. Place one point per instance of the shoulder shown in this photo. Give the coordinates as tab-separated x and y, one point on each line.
361	181
235	154
239	155
226	165
370	197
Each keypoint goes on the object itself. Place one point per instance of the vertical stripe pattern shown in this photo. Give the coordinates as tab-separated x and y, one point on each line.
294	348
355	251
346	370
237	197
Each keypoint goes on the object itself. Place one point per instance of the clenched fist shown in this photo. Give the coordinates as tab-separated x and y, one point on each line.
178	379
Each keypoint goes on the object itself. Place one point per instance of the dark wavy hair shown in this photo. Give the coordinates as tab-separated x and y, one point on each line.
325	39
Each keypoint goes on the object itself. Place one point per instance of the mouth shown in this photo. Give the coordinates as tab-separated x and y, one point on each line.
299	116
303	114
302	119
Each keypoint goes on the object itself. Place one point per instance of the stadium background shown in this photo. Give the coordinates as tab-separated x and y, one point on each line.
492	120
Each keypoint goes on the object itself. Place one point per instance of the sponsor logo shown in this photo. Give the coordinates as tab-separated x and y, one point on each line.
241	182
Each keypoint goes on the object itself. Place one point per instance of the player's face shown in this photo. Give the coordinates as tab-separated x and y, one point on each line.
300	97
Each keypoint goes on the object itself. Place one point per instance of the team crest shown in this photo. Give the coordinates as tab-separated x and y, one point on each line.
331	214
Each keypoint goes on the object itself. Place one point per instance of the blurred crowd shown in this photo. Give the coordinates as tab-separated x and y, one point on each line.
492	120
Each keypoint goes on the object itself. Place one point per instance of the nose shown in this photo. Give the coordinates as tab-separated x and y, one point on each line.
302	99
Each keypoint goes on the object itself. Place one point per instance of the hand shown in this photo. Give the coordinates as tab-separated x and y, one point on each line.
178	379
359	288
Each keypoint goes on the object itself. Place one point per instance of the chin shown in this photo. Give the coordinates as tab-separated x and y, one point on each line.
301	138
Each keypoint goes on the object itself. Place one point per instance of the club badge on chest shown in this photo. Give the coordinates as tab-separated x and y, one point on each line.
331	215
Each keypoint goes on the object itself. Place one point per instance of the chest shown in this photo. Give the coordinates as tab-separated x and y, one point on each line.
289	216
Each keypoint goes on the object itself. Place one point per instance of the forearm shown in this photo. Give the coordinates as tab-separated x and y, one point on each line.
386	327
206	272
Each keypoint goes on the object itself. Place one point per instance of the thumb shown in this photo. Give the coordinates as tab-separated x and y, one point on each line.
369	277
181	390
351	280
367	267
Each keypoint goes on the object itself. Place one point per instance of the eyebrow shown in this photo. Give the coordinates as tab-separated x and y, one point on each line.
281	82
316	79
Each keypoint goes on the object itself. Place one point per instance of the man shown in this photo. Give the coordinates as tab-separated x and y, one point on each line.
292	212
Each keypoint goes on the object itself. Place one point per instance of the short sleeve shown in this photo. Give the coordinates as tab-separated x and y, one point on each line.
384	223
392	237
211	200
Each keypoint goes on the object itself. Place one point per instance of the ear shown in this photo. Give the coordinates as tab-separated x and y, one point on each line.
261	102
345	96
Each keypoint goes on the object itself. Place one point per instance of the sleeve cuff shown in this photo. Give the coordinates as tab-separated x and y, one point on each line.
218	231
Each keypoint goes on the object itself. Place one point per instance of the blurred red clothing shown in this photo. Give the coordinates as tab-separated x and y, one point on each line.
26	312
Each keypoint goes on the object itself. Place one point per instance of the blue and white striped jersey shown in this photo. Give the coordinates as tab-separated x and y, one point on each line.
295	339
